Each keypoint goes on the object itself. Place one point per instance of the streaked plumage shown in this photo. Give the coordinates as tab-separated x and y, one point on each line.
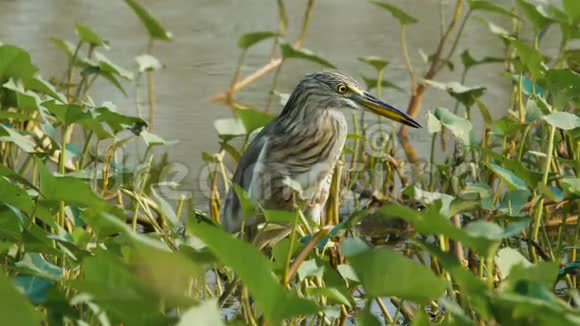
303	143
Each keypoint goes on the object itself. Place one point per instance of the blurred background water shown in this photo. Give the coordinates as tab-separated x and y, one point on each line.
202	58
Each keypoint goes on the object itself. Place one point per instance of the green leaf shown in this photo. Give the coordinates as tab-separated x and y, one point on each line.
154	28
571	185
376	62
572	9
331	293
371	83
564	85
206	313
10	135
15	63
67	113
229	127
531	58
508	177
400	15
14	307
253	119
465	95
67	47
249	39
151	139
433	124
377	268
275	216
288	52
282	17
35	264
86	34
563	120
68	189
35	288
255	271
487	119
468	61
460	127
507	258
491	7
535	14
117	290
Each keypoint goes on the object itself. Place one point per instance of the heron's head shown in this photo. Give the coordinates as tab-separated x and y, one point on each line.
333	90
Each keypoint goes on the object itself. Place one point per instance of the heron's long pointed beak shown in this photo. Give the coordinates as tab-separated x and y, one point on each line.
381	108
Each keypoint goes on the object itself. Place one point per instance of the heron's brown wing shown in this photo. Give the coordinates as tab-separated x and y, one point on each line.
230	212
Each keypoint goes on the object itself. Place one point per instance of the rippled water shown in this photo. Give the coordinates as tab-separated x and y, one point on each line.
201	59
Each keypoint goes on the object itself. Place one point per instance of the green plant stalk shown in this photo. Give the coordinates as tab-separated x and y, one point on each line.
540	205
410	70
71	64
285	279
230	92
432	162
384	311
61	171
274	85
85	151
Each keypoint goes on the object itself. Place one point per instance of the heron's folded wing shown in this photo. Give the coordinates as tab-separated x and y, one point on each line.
231	217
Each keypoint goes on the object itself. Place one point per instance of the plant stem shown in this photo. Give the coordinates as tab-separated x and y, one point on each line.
540	205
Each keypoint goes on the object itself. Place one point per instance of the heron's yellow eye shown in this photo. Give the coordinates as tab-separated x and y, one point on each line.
341	88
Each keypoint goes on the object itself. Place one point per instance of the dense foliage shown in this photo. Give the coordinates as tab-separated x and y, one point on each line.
488	236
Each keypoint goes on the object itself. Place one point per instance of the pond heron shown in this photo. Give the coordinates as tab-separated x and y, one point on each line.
300	148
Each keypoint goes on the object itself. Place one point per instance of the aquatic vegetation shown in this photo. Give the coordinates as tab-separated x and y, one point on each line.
486	235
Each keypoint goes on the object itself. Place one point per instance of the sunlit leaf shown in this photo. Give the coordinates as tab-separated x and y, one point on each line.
15	62
289	52
229	127
86	34
571	185
35	264
535	14
154	28
206	313
372	83
489	6
507	258
66	46
397	13
253	119
465	95
376	268
460	127
10	135
563	120
376	62
147	62
255	271
249	39
508	177
433	124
